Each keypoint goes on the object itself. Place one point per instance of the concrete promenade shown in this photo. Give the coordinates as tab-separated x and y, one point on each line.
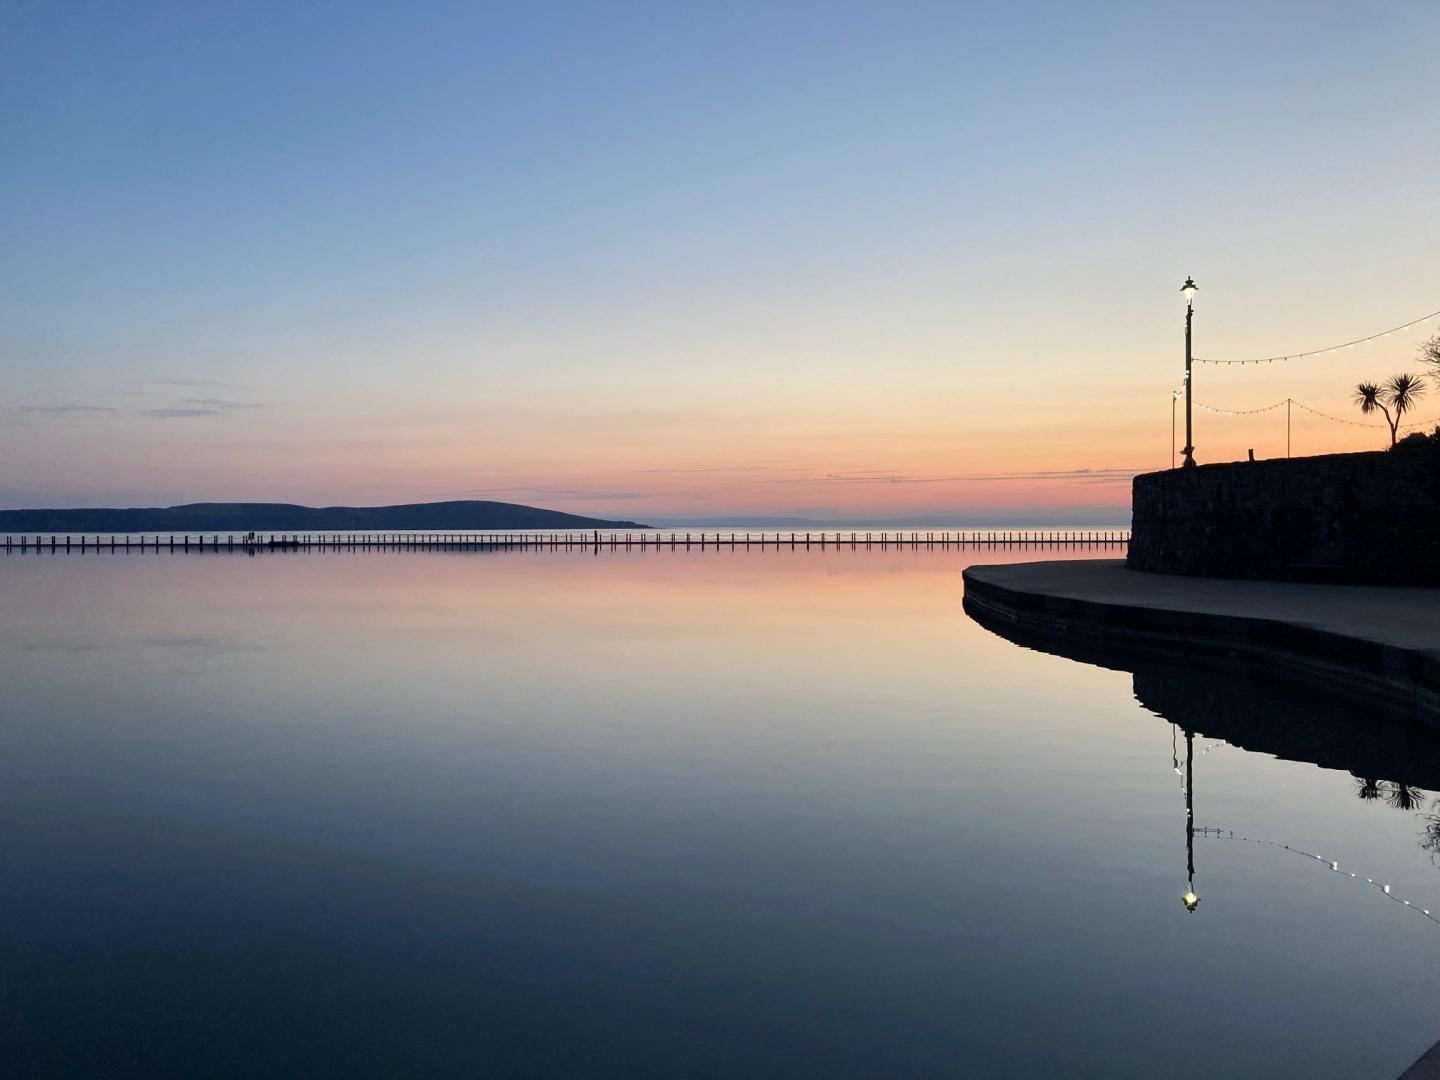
1380	643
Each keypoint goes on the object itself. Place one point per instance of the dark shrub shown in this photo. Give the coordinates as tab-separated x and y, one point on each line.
1417	439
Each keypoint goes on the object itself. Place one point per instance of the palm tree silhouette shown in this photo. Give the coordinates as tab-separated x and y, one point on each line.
1398	393
1403	796
1366	790
1392	792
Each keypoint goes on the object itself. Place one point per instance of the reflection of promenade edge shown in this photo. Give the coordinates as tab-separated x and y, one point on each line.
1381	676
1239	696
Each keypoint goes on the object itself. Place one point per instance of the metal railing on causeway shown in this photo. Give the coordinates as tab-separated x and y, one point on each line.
632	540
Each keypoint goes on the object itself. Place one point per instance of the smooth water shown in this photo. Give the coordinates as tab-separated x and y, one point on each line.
762	813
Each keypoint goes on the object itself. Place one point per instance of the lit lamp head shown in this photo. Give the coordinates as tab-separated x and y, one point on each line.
1190	900
1188	290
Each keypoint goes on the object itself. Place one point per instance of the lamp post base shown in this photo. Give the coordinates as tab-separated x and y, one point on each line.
1189	462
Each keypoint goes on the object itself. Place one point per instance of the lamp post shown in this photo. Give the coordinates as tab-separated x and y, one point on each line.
1188	291
1174	397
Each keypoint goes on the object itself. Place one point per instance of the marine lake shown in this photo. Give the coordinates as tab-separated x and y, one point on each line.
676	813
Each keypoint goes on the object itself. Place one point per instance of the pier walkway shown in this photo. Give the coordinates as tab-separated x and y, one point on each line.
557	541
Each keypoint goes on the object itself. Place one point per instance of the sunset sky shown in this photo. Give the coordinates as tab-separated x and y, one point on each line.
680	261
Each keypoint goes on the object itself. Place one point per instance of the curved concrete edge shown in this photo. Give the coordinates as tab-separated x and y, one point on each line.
1426	1067
1369	671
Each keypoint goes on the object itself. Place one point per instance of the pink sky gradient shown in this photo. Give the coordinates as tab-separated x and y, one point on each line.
844	440
752	261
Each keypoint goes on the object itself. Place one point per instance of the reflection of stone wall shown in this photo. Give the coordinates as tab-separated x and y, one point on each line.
1379	676
1242	697
1289	722
1372	517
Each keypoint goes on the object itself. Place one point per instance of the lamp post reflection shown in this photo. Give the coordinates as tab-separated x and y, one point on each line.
1396	794
1190	900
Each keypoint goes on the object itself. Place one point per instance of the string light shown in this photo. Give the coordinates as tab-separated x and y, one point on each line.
1238	412
1317	412
1357	423
1175	757
1331	349
1216	833
1334	867
1337	419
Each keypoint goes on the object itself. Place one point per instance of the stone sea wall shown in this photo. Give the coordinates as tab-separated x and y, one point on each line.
1364	518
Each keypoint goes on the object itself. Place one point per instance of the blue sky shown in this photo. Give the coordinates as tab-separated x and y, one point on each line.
396	252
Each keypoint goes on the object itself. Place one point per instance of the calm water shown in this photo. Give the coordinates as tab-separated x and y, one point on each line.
671	814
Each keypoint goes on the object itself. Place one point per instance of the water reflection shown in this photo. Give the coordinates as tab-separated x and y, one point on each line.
757	814
1333	866
1396	795
1393	756
1190	900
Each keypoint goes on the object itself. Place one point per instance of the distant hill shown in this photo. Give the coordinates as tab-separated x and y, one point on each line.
285	517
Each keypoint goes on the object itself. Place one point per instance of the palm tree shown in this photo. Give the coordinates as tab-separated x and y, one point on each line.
1393	399
1403	796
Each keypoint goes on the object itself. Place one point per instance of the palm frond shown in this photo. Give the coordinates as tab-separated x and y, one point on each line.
1403	796
1366	790
1404	390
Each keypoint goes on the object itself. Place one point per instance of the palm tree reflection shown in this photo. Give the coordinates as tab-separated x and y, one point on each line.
1394	793
1403	796
1399	795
